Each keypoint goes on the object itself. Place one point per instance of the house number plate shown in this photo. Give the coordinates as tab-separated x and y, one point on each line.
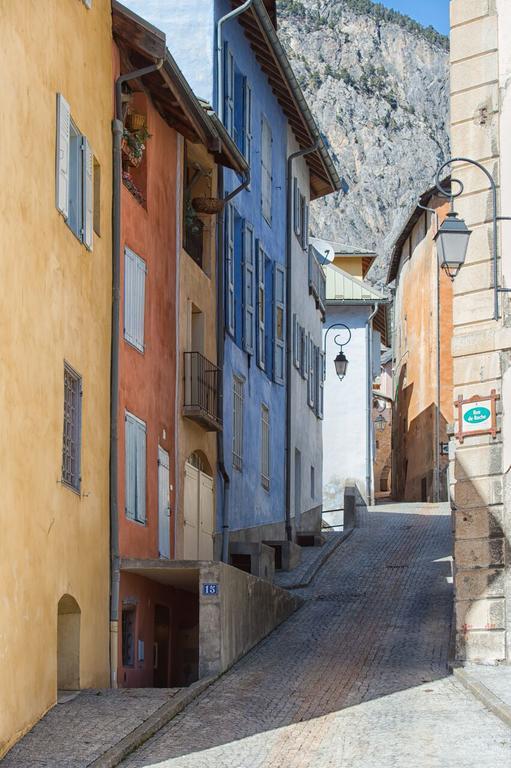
210	589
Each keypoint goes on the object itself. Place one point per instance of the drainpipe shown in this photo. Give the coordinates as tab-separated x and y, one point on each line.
369	425
219	54
436	445
220	336
289	328
117	130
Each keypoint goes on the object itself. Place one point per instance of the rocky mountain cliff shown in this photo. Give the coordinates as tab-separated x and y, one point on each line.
377	83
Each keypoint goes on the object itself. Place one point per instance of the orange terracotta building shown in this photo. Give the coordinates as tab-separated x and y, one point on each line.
422	362
154	623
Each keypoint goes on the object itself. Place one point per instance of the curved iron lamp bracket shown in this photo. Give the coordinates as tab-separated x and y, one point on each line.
337	325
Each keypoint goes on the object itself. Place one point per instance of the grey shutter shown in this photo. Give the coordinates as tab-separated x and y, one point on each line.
134	298
130	465
249	289
141	472
88	194
321	385
261	308
229	268
62	159
229	91
88	3
296	207
296	342
248	123
279	323
311	383
305	223
266	169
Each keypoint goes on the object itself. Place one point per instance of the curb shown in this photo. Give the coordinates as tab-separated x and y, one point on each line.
114	755
321	560
484	695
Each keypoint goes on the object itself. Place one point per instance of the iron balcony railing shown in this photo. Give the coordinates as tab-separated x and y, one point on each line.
317	281
202	387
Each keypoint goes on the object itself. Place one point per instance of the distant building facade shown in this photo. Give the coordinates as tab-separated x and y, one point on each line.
422	334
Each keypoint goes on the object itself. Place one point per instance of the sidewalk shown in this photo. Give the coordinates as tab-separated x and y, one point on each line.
491	685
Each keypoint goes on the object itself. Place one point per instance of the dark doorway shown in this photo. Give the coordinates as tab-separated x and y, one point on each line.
161	646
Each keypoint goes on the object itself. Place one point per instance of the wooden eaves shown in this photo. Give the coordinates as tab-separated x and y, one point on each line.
141	44
260	32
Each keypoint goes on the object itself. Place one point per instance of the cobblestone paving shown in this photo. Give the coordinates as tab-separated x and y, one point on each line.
79	730
357	678
310	562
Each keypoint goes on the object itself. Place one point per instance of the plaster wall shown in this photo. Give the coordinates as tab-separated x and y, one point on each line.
56	306
415	366
306	428
344	426
147	380
480	487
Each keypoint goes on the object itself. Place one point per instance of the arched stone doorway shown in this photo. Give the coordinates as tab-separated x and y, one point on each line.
199	508
68	644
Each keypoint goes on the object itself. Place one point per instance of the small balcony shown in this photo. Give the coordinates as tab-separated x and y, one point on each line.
202	385
317	281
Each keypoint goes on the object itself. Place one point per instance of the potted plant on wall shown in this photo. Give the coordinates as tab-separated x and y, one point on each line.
134	145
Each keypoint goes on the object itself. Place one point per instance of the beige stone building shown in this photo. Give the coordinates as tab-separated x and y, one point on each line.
480	476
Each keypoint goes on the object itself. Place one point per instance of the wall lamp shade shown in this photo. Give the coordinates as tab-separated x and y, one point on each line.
452	243
380	422
341	365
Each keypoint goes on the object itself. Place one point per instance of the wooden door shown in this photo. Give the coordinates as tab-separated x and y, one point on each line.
206	516
191	512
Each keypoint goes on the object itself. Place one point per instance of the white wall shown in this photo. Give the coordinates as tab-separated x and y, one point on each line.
306	427
344	426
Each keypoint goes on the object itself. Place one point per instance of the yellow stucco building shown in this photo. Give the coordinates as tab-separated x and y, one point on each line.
56	62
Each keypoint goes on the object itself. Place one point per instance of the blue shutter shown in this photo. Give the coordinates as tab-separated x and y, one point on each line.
134	298
279	323
266	169
228	90
229	268
296	342
141	472
261	308
248	123
88	200
62	159
248	289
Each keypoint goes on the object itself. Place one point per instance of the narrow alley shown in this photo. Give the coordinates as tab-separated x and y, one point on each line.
357	677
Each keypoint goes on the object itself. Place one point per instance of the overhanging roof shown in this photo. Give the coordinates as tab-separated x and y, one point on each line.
261	34
141	44
415	215
343	289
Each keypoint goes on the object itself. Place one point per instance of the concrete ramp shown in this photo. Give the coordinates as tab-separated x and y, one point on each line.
236	611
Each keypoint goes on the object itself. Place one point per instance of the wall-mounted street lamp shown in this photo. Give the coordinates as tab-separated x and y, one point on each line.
380	422
453	236
341	361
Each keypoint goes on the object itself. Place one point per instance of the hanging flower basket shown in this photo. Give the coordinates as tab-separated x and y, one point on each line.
135	121
208	204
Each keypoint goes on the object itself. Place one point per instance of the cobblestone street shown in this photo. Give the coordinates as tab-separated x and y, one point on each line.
356	678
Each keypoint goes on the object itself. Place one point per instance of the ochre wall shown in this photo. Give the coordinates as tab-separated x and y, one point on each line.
56	306
350	264
415	363
148	379
197	286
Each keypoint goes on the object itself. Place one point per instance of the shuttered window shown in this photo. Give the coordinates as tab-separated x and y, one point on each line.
296	208
237	422
74	186
134	298
320	399
135	469
296	342
229	268
304	219
304	348
265	447
248	289
229	90
261	308
247	147
266	169
311	382
71	442
279	320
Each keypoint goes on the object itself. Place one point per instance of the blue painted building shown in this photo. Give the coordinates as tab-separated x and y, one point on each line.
236	63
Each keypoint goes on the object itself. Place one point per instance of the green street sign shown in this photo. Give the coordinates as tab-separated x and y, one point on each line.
477	415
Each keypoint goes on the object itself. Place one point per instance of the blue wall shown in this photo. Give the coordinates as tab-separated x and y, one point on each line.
250	504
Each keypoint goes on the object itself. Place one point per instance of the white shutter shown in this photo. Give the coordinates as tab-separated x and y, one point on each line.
229	268
261	308
321	387
229	91
249	289
248	123
134	298
62	159
141	472
130	466
279	323
88	194
88	3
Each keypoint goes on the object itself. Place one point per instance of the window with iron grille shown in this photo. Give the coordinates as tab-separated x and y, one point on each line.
72	428
265	447
237	422
128	636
